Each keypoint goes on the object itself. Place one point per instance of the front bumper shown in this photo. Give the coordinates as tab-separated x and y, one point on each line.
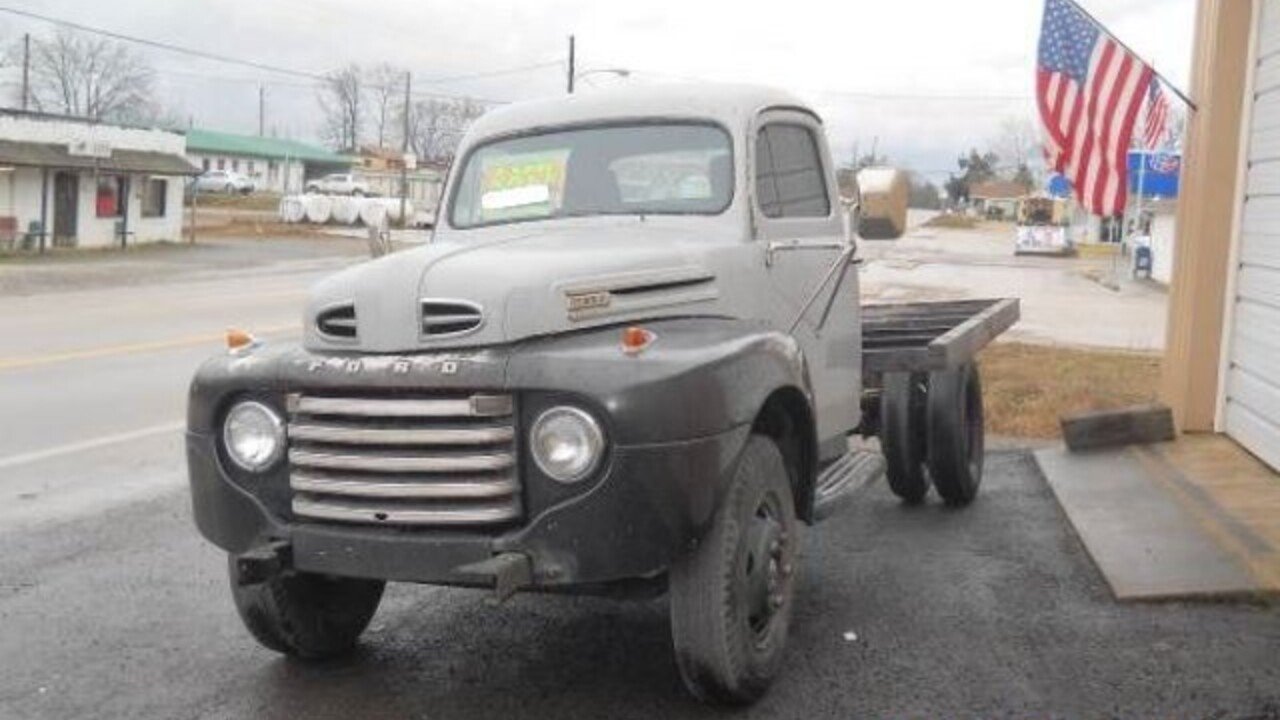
651	505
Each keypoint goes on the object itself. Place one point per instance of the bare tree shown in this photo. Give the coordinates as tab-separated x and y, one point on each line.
385	85
1018	144
436	126
91	77
339	97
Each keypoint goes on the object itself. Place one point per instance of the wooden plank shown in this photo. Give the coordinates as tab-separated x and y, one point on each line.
901	337
919	340
947	321
1135	425
898	360
916	329
963	342
873	312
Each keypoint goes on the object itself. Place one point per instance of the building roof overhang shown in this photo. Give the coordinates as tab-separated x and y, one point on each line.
55	156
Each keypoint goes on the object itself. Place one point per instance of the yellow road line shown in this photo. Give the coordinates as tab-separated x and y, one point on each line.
109	350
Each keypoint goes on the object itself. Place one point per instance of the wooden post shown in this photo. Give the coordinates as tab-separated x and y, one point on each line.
195	202
44	206
404	151
572	61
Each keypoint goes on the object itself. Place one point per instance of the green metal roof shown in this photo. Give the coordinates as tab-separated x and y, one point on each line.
209	141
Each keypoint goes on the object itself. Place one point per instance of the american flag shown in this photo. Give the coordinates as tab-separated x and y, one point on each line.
1156	128
1089	90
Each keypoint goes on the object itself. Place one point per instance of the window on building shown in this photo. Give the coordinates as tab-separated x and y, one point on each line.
235	166
249	167
155	193
789	177
222	163
110	197
204	164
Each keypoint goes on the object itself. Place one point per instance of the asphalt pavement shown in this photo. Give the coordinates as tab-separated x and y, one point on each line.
112	606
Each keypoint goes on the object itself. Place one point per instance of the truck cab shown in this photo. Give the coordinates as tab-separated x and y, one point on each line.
629	360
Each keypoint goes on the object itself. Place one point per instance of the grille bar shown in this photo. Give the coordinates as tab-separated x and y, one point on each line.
361	435
445	460
404	514
401	463
474	406
498	486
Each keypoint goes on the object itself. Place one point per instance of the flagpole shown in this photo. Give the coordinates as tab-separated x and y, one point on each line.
1121	43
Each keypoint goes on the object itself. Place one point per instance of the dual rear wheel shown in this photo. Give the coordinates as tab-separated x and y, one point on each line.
931	433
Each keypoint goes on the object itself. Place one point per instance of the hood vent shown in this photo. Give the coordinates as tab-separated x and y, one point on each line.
448	318
337	322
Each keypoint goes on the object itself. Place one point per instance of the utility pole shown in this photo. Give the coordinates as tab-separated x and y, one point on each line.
404	151
262	110
26	70
572	69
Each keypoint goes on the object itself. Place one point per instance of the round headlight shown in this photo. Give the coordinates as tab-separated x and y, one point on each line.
253	435
567	443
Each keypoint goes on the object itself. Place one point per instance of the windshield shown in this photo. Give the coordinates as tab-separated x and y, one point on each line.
649	169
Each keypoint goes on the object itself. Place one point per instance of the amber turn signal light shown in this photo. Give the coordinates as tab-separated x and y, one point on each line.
239	340
636	339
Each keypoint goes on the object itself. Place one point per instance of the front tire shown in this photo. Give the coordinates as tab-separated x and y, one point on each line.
731	597
309	616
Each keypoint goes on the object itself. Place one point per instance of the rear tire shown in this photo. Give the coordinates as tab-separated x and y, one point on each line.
903	438
731	597
957	438
309	616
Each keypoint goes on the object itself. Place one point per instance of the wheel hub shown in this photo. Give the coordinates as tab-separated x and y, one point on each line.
765	569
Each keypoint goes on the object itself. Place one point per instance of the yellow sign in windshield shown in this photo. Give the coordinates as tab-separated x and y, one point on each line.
517	186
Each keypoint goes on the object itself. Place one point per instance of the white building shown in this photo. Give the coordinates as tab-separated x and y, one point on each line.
275	164
71	182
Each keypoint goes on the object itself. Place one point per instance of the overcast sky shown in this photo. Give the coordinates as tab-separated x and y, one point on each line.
863	63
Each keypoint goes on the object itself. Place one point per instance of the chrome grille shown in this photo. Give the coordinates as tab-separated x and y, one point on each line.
450	317
337	322
418	461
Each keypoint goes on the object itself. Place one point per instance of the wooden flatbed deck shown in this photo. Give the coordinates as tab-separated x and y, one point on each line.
926	336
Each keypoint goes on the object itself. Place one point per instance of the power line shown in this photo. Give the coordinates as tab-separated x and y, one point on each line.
159	44
494	73
865	94
268	67
319	85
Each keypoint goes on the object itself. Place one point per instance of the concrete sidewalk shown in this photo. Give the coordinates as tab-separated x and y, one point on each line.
1194	518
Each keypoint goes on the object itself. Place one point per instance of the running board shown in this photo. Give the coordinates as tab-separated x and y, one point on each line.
842	480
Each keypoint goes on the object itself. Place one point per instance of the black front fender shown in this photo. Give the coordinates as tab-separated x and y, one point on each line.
700	377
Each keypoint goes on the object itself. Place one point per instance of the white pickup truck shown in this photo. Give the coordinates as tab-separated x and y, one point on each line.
631	360
338	184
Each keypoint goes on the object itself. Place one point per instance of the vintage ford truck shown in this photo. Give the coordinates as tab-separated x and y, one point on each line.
631	359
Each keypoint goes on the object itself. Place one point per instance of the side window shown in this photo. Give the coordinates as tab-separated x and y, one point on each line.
789	177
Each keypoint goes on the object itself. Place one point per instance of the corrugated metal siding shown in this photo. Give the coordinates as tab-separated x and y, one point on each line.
1252	411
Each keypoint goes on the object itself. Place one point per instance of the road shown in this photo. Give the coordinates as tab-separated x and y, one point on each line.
1062	298
111	605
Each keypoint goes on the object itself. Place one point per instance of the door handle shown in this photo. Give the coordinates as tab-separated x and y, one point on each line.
776	246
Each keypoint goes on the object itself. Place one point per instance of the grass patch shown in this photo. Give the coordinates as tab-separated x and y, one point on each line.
1028	387
240	228
954	222
258	201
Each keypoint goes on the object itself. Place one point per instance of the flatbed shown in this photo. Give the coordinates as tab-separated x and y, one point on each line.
927	336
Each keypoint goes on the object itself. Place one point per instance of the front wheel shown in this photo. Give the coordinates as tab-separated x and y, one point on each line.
313	617
731	597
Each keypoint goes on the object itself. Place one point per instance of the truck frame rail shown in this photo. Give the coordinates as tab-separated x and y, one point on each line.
927	336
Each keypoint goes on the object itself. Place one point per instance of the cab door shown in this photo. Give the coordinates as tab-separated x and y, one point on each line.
813	285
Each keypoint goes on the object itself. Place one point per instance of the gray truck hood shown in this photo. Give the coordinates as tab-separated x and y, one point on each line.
525	281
